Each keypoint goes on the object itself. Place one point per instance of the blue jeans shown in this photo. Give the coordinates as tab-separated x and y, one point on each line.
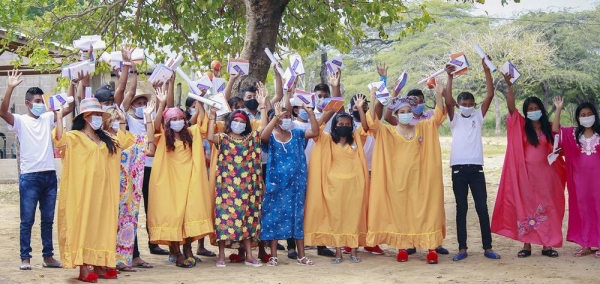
33	188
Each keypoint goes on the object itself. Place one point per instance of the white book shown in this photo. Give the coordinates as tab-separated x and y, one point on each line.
297	65
509	68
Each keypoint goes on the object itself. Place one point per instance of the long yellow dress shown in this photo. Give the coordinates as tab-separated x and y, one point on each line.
406	203
88	203
180	205
337	193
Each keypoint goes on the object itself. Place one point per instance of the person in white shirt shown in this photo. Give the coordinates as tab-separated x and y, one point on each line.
466	160
37	182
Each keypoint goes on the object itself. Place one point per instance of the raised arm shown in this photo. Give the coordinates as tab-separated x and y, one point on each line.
314	124
69	108
377	103
128	99
13	80
161	96
334	81
450	102
229	86
150	146
359	102
212	117
489	85
261	98
84	82
265	133
510	98
127	65
325	117
278	87
558	103
171	91
58	125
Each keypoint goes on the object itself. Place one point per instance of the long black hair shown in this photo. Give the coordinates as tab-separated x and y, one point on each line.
229	119
595	126
112	145
532	136
334	136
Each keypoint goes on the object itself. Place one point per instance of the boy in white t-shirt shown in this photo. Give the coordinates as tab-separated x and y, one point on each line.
466	160
37	182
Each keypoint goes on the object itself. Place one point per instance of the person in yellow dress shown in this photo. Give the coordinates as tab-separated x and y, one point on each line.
88	202
337	192
406	205
180	200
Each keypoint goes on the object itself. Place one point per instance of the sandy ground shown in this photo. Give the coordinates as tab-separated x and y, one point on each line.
374	268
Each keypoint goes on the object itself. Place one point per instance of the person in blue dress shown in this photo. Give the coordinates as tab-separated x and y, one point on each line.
285	186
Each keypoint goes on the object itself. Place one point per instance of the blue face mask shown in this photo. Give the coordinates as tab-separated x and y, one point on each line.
534	115
38	109
405	118
303	114
418	110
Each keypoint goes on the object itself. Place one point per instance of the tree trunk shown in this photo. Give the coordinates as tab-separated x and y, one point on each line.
262	27
324	72
498	116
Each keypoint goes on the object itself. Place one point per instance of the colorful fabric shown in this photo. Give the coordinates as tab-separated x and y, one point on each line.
132	177
238	188
530	204
285	189
583	167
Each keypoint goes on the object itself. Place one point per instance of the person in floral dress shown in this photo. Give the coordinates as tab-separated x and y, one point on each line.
238	189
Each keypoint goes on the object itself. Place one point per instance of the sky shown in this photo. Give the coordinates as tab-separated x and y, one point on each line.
494	7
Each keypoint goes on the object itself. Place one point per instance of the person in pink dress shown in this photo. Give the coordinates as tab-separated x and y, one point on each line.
581	148
530	205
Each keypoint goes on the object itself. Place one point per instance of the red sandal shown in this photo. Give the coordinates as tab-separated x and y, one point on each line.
90	278
111	273
402	256
432	257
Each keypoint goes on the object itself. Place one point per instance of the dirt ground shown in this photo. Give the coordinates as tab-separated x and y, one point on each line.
374	268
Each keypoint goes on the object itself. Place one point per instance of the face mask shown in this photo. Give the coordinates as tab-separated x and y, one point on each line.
96	122
139	112
534	115
405	118
238	127
356	115
38	109
105	108
344	131
192	111
176	125
116	125
286	124
418	110
587	121
303	114
320	102
466	111
251	104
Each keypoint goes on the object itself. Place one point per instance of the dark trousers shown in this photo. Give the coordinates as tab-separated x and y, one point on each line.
463	177
33	188
147	171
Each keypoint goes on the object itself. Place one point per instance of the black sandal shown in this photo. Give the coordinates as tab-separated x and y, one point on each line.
524	253
550	253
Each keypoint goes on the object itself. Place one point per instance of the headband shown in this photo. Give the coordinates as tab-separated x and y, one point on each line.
401	102
240	115
173	112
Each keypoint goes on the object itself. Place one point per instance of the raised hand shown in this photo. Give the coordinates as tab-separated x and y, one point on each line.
14	79
439	86
359	101
485	67
279	109
115	71
558	102
150	107
261	94
450	69
307	109
334	79
161	95
507	78
382	69
126	53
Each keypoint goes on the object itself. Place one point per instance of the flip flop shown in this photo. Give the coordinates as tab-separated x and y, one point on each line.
90	278
206	252
143	265
52	264
525	253
126	269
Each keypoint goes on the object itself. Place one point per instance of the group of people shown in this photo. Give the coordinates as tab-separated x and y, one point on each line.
276	169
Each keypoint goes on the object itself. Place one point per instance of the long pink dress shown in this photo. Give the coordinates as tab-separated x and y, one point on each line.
530	205
583	169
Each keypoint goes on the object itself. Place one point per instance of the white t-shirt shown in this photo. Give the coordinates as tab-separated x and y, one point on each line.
467	146
35	140
137	127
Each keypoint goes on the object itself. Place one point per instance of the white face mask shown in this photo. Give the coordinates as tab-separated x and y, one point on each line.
139	112
105	108
534	115
176	125
96	122
466	111
286	124
405	118
192	111
238	127
116	125
587	121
